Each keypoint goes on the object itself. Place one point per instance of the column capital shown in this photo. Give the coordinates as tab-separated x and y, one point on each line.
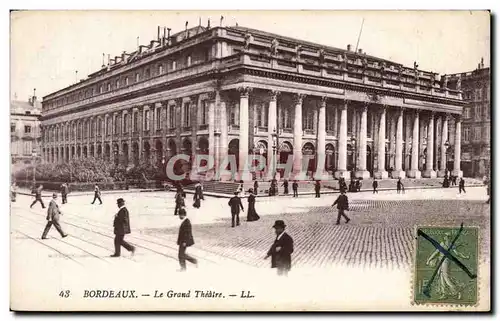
365	107
324	99
211	95
273	94
457	118
244	91
402	110
298	98
193	97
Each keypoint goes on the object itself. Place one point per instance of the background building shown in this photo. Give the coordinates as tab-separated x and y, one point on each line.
476	139
239	91
25	135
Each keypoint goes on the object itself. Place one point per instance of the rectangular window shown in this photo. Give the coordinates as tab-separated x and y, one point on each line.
125	123
146	120
171	115
174	65
137	77
126	81
147	73
117	124
204	112
158	118
12	128
308	120
187	114
117	85
160	69
27	129
134	120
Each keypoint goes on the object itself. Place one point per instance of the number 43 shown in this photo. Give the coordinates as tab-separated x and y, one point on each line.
64	294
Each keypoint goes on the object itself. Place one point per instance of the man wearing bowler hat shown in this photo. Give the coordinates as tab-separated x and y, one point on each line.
121	227
281	250
342	203
235	204
53	214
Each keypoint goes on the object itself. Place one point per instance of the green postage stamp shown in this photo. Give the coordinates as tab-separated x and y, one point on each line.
446	264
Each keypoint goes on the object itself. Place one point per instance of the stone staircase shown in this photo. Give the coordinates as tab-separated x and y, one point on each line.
225	189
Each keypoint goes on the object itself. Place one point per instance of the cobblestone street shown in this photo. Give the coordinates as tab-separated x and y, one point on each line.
375	247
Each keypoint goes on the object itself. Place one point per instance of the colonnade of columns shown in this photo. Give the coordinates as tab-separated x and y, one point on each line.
131	129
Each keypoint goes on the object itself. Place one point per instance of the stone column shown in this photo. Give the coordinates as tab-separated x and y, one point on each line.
243	137
211	126
457	156
297	135
216	150
272	126
398	170
414	172
195	107
342	145
444	138
429	163
381	173
363	134
223	146
321	174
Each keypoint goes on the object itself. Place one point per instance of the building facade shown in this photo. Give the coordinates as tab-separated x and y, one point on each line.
238	91
25	134
476	146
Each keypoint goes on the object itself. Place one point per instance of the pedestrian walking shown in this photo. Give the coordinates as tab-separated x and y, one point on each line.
179	200
235	204
273	190
342	203
399	186
121	226
375	186
97	195
461	185
285	186
53	216
317	189
64	193
198	196
38	196
295	188
185	240
256	187
13	192
281	250
358	185
252	213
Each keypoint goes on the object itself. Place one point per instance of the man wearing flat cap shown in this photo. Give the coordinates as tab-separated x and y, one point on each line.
121	226
281	250
53	214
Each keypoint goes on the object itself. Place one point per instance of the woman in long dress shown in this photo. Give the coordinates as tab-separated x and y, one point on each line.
198	196
252	214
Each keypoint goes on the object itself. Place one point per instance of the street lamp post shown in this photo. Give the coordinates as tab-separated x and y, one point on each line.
446	146
353	141
275	147
33	155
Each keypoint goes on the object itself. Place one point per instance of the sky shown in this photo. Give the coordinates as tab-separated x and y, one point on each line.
47	47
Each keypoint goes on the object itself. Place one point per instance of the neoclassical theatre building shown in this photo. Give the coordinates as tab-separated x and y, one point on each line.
238	91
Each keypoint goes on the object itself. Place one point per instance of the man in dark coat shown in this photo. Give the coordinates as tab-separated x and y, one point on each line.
256	187
121	226
38	197
53	215
342	203
375	186
97	194
185	240
179	201
295	188
317	189
281	250
399	186
64	193
461	185
235	204
285	186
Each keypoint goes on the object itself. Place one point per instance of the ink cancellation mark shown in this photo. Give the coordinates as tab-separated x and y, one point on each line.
446	264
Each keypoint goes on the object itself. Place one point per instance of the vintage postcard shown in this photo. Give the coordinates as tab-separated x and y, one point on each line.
250	161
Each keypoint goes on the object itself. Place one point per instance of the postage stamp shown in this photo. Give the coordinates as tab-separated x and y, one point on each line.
446	265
